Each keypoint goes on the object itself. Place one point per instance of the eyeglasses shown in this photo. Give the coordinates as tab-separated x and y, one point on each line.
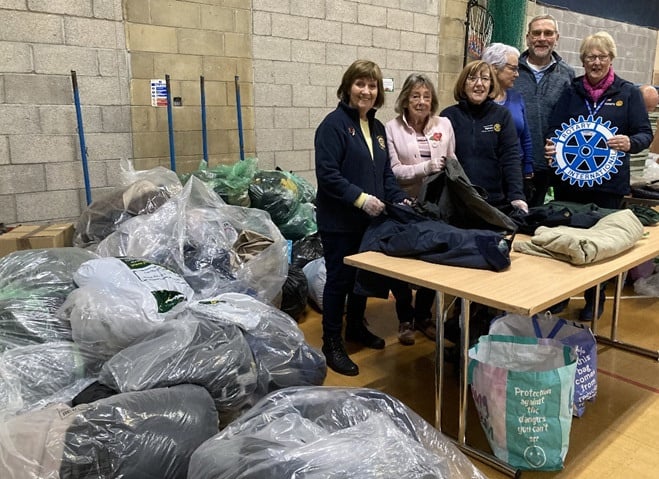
592	58
546	33
475	79
513	68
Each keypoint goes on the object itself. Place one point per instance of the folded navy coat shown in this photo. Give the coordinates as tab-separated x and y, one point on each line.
402	232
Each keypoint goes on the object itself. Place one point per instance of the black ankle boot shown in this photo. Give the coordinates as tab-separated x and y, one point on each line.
358	333
336	357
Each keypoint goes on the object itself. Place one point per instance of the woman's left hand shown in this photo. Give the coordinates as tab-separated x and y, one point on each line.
620	143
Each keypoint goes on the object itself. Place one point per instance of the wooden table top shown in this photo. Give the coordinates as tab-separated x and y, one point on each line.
530	285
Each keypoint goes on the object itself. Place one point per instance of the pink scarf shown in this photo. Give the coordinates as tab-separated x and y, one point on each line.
596	91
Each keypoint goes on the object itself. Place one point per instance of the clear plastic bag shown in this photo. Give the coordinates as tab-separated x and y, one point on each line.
146	435
648	286
143	193
195	352
194	234
32	377
283	357
33	286
326	432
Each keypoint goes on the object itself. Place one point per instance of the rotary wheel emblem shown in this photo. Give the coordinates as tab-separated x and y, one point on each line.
582	155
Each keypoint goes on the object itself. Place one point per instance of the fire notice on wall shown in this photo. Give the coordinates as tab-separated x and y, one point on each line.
158	93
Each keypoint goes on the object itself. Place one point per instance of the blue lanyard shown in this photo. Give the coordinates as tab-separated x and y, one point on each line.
597	106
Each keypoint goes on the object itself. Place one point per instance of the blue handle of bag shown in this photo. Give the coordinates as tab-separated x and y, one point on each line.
538	332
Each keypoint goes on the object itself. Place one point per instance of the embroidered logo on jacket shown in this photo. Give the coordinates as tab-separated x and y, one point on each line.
383	145
496	127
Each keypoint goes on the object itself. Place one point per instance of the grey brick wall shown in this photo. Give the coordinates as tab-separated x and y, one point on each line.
301	49
41	177
289	54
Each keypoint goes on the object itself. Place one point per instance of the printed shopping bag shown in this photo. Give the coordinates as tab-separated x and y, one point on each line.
523	389
577	335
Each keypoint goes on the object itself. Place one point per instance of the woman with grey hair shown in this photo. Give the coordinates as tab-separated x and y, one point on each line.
505	60
418	141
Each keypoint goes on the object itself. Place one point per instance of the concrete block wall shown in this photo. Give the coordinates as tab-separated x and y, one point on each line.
301	49
451	47
289	55
187	40
41	41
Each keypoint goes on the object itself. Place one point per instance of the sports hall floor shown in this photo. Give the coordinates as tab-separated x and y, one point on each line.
618	436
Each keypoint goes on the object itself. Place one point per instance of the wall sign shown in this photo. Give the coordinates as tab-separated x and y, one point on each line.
158	93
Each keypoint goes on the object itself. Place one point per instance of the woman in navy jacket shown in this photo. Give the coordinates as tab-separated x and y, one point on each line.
593	128
354	179
486	141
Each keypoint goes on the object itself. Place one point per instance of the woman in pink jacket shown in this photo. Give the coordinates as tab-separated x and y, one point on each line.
418	141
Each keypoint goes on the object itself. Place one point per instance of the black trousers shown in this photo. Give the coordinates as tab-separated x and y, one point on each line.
338	292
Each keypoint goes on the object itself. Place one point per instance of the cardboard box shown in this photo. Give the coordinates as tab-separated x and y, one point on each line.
36	236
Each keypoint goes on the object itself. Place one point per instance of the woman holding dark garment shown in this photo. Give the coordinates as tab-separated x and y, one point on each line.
486	142
354	178
418	142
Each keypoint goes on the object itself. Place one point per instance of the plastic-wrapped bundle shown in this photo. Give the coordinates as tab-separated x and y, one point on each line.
282	355
303	220
149	190
275	192
33	286
648	286
195	234
306	189
34	376
307	249
294	293
231	182
316	274
301	223
140	435
120	300
214	356
323	432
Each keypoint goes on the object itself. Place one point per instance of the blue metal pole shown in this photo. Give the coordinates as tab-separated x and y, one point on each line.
170	123
81	137
204	133
240	120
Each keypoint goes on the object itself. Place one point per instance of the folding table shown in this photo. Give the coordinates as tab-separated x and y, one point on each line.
530	285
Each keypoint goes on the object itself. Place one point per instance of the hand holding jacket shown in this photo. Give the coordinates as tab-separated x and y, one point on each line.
433	166
373	206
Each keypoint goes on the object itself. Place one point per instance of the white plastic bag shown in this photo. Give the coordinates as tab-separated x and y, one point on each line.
120	300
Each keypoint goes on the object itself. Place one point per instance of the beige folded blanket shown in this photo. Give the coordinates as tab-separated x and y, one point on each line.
613	234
